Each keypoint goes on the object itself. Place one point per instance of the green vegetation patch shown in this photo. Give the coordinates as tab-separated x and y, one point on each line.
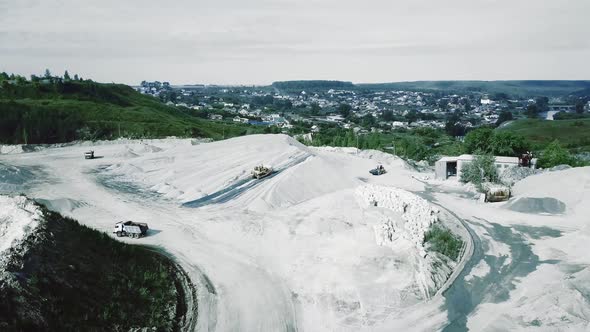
573	134
77	279
442	240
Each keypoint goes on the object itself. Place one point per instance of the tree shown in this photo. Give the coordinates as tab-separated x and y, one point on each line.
479	171
479	140
554	154
504	116
412	116
505	143
47	73
76	78
315	109
453	126
21	80
542	104
67	76
368	121
412	148
344	110
532	111
580	107
388	116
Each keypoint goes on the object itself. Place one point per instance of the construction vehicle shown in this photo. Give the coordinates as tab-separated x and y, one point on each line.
378	170
131	229
261	171
89	154
497	194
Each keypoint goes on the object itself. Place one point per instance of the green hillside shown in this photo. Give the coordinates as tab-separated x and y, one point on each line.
74	278
54	110
573	134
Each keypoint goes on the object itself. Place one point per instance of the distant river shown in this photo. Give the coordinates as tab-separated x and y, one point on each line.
548	115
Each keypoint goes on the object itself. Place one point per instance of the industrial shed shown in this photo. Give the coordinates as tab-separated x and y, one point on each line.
449	167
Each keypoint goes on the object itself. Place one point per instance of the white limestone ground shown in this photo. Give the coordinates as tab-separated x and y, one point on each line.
553	293
305	249
295	251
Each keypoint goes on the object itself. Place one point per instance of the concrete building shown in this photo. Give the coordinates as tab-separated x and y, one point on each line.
448	167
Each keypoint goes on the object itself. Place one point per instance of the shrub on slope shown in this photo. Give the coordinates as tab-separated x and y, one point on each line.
443	241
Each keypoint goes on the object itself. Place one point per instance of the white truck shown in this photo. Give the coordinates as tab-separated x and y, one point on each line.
131	229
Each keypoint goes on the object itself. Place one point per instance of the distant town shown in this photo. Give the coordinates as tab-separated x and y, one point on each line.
305	109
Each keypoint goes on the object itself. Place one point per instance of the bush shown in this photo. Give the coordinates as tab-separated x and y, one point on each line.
482	169
443	241
555	154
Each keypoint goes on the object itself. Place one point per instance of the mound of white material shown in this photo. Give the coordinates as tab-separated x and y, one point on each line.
11	149
128	153
417	213
570	186
18	217
146	148
380	157
189	172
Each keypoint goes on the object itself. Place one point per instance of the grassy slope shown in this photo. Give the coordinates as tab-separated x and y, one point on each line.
77	279
574	134
38	113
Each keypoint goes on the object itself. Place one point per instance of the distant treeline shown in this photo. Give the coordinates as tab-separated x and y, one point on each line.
550	88
511	88
313	84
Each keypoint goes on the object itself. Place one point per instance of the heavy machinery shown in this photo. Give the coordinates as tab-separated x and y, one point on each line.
89	154
378	170
497	194
131	229
261	171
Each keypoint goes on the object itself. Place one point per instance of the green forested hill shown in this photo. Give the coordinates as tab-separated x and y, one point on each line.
53	110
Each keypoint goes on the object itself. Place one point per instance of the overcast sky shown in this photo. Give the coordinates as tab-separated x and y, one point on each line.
261	41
